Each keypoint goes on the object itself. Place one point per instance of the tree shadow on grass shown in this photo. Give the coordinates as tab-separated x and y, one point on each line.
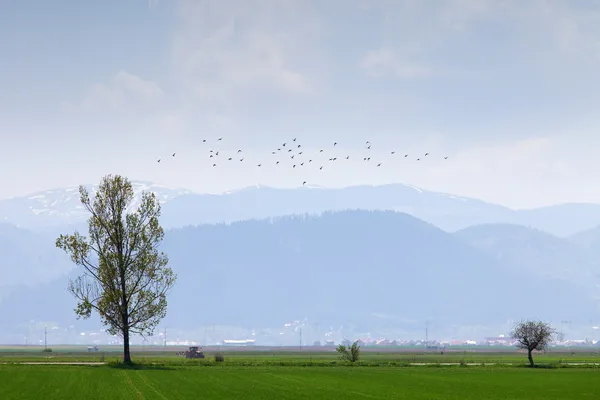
539	366
141	366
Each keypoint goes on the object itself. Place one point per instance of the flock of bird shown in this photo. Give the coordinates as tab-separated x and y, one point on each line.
293	152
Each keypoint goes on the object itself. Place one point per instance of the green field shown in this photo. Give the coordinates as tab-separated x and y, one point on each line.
225	382
293	357
293	374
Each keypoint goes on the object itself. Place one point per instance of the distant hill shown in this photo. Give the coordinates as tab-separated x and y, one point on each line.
49	209
28	258
345	268
588	240
52	210
533	253
560	220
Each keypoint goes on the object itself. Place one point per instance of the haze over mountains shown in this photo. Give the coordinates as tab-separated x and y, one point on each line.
52	209
378	269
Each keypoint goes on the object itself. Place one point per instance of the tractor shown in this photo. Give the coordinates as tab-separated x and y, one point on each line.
194	352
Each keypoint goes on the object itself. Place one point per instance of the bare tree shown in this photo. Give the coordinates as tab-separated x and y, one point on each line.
533	335
125	278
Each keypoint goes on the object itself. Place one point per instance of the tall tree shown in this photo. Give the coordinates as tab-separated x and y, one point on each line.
532	335
125	278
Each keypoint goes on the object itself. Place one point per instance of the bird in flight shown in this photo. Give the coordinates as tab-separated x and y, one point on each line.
220	138
303	183
173	154
158	160
445	158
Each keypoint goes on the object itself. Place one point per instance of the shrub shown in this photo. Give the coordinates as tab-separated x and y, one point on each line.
219	358
350	353
47	350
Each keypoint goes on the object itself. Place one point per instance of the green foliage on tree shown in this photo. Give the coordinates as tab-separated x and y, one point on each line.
349	353
125	278
533	335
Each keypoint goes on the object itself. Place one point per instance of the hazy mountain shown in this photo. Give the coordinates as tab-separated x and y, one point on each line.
561	220
28	258
49	209
54	209
589	241
534	253
370	269
443	210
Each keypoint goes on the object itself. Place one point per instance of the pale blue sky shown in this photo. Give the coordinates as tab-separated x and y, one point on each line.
508	90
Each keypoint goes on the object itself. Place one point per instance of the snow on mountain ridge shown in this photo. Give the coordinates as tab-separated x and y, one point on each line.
65	202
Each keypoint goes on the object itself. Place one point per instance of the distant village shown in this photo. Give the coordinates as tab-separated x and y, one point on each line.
290	334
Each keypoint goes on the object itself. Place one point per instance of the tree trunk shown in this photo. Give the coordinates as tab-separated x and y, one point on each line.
530	358
126	353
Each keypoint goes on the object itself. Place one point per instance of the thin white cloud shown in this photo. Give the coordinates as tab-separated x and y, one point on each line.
222	50
125	93
385	61
418	30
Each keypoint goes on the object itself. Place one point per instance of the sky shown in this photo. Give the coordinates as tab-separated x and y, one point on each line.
508	90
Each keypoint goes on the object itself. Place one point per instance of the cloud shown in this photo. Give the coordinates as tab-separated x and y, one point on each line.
385	61
449	36
125	93
224	50
519	173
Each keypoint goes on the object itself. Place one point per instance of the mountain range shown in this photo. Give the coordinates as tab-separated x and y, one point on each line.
374	270
59	208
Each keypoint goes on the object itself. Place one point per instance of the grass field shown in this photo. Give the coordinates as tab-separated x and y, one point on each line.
291	374
293	357
225	382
